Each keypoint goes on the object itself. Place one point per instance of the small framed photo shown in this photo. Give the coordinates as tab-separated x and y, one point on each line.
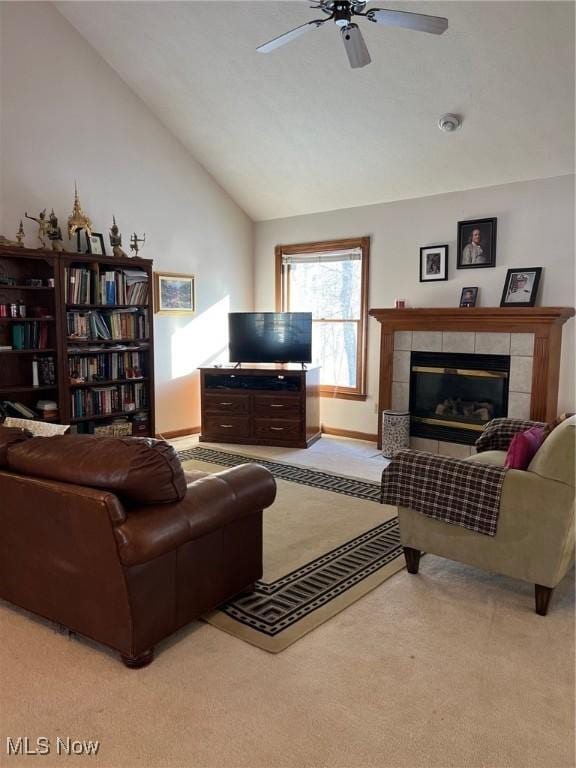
468	297
174	294
521	287
433	263
93	243
476	244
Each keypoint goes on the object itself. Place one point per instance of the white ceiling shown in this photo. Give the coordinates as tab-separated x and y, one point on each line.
297	131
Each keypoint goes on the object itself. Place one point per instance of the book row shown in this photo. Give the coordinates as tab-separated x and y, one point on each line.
83	285
43	371
32	335
117	324
116	365
99	401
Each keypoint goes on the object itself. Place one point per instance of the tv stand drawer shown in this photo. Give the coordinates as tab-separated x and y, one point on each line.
226	402
277	406
226	426
278	429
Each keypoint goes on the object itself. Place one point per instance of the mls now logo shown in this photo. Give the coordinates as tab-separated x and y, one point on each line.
23	745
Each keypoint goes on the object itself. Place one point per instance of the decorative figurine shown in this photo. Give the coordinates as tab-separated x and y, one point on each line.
78	219
54	232
42	226
20	235
116	240
135	241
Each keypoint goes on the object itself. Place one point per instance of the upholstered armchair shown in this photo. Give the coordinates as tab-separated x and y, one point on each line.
534	538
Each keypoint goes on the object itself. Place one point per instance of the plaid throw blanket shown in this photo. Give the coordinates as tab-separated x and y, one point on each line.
498	433
455	491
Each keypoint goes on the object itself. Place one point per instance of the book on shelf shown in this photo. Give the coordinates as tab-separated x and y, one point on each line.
107	324
32	335
105	367
83	285
100	401
43	371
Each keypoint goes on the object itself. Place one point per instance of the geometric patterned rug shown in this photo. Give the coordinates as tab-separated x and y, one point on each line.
284	608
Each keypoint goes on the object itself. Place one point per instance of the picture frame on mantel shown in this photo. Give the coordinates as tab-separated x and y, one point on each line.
469	296
521	287
476	244
433	263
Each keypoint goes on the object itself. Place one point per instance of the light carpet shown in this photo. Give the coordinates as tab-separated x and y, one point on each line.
327	542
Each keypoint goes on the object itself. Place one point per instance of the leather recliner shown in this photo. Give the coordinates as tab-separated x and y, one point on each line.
106	537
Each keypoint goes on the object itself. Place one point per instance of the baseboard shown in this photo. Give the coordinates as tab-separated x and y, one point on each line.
178	433
349	433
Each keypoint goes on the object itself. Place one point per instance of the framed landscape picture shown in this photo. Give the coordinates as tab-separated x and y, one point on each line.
174	294
433	263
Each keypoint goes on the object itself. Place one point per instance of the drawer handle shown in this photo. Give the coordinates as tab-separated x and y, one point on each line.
226	426
225	403
277	429
277	405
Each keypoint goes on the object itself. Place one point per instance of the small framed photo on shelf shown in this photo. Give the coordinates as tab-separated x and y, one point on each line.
468	297
93	243
521	287
433	263
476	244
174	294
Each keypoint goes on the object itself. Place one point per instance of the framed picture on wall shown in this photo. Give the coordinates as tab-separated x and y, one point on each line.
174	294
521	287
476	244
433	263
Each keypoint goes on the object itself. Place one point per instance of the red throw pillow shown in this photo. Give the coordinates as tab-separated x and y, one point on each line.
523	448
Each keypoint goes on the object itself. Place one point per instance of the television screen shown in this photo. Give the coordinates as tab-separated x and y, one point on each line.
270	337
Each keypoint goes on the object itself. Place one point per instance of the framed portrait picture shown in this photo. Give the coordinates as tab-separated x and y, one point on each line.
433	263
95	244
468	297
521	287
476	244
174	294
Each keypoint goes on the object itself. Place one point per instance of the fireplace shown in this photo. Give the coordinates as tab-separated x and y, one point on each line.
452	396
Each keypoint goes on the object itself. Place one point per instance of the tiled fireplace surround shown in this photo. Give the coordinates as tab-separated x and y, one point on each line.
519	346
532	336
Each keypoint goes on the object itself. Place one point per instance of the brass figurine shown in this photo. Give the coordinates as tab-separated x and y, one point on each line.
54	232
20	235
135	243
116	240
78	219
42	226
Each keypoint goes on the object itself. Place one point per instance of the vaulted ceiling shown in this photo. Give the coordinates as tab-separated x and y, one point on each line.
297	131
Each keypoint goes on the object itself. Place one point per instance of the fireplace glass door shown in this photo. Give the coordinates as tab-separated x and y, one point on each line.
452	396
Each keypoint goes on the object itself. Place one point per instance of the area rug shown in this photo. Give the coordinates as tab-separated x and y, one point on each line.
327	542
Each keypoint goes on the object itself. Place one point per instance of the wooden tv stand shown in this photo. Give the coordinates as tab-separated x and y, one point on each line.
260	405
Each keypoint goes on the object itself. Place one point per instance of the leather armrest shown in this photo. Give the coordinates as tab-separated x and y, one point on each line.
211	502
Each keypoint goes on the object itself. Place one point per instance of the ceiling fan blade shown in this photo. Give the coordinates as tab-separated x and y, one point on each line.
358	55
291	35
418	21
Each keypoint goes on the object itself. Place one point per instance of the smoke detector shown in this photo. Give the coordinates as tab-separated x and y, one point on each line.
449	123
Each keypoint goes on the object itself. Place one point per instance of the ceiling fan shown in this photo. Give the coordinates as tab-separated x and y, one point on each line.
341	13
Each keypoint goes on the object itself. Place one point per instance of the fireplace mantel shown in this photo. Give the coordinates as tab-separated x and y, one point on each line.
544	322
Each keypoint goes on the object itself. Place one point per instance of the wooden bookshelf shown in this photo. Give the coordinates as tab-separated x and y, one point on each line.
59	303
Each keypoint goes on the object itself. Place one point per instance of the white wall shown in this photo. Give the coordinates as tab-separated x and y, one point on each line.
67	116
535	228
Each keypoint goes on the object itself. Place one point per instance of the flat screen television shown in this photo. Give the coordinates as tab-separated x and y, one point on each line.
270	337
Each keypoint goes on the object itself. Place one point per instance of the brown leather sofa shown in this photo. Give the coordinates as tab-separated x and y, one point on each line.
106	537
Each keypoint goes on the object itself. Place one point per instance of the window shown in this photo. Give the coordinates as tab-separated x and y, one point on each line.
330	279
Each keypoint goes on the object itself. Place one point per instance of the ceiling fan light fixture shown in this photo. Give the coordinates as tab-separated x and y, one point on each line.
358	55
